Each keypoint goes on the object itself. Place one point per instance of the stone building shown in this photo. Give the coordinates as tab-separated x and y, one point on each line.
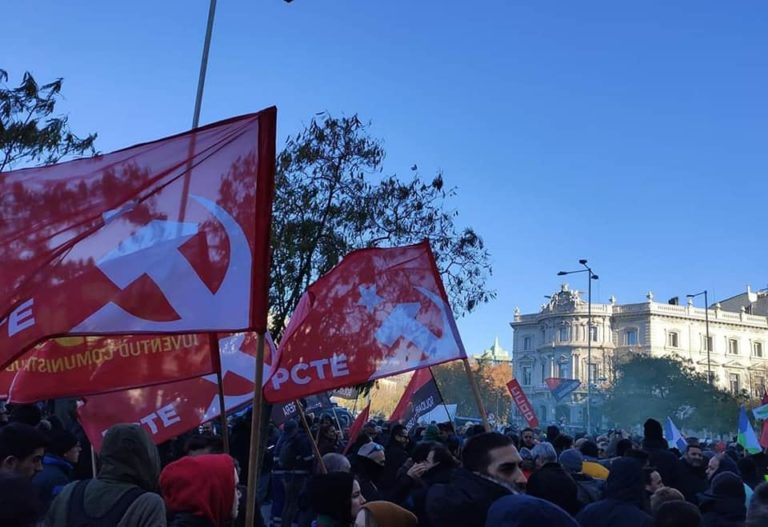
553	343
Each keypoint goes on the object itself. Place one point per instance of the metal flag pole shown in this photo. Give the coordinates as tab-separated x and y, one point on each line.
204	64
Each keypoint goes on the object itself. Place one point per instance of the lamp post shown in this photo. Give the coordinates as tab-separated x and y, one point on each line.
706	326
592	276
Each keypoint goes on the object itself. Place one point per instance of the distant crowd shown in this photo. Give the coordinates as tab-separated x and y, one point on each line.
386	476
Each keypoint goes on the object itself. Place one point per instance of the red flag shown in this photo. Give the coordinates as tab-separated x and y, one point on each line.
378	313
354	430
168	410
76	366
164	237
522	402
421	396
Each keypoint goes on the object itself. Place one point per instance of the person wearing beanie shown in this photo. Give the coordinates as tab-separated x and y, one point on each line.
592	466
723	463
384	514
200	491
623	501
59	462
589	490
659	455
335	498
527	511
553	484
678	514
723	504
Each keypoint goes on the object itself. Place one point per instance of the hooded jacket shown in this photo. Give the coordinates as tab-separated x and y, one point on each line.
202	487
729	465
527	511
659	455
723	504
464	502
553	484
129	459
624	495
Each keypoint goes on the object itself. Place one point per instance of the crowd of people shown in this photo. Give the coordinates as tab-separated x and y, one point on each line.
388	476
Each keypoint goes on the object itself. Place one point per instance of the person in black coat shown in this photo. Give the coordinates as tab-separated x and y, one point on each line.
659	455
723	504
624	498
691	472
396	455
555	485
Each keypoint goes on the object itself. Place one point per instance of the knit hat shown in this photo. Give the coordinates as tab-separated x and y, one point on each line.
652	429
524	511
60	442
572	460
388	514
728	485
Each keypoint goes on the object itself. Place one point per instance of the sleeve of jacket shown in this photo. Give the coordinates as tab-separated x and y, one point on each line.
147	511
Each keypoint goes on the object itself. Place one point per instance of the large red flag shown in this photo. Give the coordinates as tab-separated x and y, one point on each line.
378	313
357	425
421	396
76	366
164	237
522	402
168	410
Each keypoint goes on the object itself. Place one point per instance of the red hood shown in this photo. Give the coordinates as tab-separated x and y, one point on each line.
200	485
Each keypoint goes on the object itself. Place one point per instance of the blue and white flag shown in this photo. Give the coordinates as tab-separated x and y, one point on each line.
761	412
674	438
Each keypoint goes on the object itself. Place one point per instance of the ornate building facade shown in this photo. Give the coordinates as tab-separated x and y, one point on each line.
553	343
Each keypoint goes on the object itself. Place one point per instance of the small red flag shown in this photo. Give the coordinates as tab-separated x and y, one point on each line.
522	402
378	313
420	397
357	425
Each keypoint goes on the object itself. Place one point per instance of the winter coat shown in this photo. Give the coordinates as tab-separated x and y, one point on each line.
396	456
56	474
723	504
553	484
527	511
624	496
691	481
660	457
589	490
368	474
129	460
416	501
465	501
186	519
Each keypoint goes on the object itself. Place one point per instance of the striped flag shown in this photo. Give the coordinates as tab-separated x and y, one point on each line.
674	438
747	437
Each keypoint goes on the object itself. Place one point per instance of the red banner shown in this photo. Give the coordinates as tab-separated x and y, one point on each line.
164	237
357	425
378	313
421	396
76	366
169	410
522	402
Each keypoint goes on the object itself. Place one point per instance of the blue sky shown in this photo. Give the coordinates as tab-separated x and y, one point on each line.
631	135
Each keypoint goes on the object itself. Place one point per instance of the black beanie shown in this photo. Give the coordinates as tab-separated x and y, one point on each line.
652	429
60	442
331	495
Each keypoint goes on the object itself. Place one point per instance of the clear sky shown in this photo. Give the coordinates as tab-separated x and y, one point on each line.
631	134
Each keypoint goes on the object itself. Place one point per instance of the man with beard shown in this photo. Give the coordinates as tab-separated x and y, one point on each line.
691	472
527	439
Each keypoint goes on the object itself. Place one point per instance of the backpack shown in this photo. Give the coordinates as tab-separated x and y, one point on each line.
77	517
289	456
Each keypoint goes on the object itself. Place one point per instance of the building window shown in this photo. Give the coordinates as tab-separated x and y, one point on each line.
630	337
759	386
706	343
564	333
733	379
757	349
733	346
673	339
593	373
543	371
593	333
526	375
563	370
527	344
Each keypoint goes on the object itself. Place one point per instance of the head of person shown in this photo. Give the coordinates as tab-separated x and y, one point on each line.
493	455
640	455
336	495
28	414
562	442
664	495
719	464
589	449
757	514
445	431
625	481
527	438
678	513
21	449
543	453
439	454
653	431
726	492
370	429
571	460
373	452
749	471
652	479
129	456
204	485
422	449
206	443
399	435
694	455
336	462
384	514
65	445
552	433
623	446
19	502
527	511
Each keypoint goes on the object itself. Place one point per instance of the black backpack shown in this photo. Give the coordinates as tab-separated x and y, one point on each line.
77	517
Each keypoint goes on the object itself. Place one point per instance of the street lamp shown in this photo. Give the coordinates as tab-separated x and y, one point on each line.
706	325
592	276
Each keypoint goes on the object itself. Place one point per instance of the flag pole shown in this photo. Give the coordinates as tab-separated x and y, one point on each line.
476	393
315	448
442	399
216	356
253	468
93	461
204	64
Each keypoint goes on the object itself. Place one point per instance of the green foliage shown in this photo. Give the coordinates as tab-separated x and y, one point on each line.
331	198
30	132
666	386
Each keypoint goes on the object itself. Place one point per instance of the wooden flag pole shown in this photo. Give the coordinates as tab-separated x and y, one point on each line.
253	454
93	461
476	392
216	356
315	448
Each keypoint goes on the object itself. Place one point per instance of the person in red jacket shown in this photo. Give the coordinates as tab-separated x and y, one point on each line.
200	491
